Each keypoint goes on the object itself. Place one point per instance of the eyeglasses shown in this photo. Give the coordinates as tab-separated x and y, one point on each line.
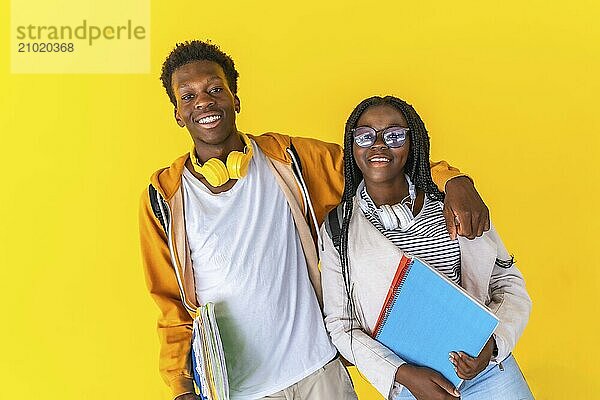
393	136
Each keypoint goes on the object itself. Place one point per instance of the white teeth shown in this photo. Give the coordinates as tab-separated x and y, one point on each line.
379	159
209	119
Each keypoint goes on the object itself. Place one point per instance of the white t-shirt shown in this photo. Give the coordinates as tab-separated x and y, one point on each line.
248	260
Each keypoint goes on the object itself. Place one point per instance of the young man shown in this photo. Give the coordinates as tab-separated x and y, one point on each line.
235	222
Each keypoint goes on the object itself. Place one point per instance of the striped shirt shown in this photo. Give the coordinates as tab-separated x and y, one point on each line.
427	239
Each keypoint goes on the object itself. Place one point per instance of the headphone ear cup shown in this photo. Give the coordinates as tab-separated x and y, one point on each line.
237	164
387	217
215	172
404	216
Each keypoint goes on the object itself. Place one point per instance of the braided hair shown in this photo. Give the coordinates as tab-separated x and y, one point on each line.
417	168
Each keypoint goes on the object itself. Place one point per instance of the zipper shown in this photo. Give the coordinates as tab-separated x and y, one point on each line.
162	203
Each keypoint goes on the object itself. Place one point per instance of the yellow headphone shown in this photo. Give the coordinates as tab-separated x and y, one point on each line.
218	173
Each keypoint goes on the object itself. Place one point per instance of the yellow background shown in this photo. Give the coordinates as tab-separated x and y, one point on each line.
507	89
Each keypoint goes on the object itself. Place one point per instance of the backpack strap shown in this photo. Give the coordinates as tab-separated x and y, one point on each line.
297	164
297	171
155	200
333	227
309	211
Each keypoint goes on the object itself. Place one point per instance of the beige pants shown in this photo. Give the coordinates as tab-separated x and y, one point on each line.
327	383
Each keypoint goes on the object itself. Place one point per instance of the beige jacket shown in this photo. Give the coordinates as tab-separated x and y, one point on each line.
373	262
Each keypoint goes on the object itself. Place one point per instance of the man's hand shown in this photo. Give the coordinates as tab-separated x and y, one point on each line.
425	383
187	396
464	211
468	367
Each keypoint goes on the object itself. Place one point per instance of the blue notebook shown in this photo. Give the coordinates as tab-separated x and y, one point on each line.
426	316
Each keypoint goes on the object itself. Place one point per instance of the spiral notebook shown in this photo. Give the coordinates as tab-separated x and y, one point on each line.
426	316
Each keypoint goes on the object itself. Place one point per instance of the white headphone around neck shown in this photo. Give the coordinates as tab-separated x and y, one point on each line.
396	217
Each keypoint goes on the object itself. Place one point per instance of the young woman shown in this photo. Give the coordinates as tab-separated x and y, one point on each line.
391	206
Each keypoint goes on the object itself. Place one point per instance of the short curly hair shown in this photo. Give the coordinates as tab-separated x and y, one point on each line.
196	50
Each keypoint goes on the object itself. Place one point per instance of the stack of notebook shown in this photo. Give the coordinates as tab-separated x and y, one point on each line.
208	358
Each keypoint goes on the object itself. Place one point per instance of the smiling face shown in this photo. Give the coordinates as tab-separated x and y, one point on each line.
379	163
205	104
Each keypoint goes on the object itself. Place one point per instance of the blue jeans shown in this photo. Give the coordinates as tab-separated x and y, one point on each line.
502	381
